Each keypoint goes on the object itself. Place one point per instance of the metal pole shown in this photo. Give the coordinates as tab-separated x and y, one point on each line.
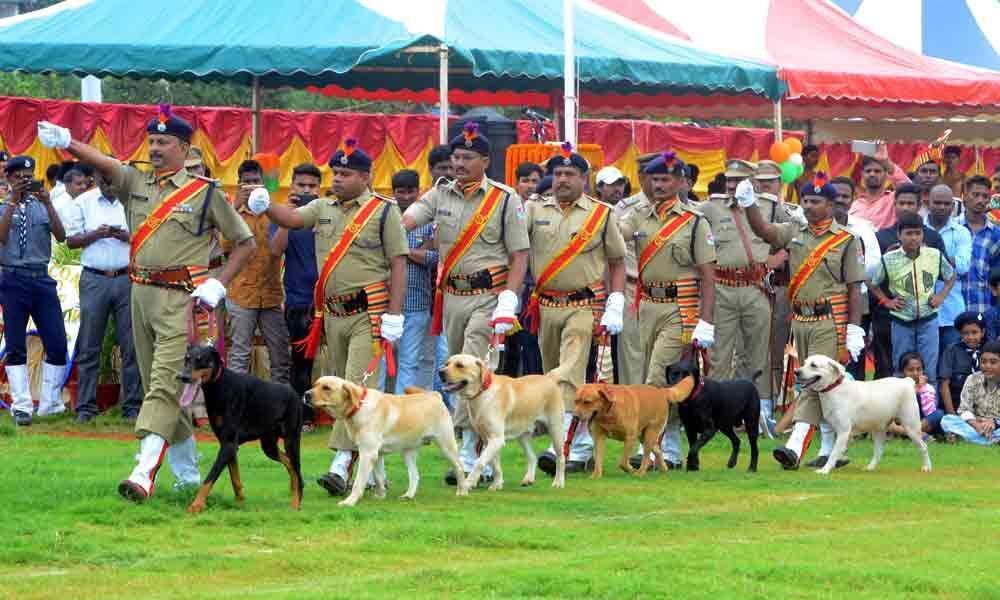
255	117
569	73
778	134
443	95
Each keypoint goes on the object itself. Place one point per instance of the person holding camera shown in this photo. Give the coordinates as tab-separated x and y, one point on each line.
96	222
27	225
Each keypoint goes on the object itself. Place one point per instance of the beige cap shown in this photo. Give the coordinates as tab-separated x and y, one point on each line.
609	175
767	169
739	168
194	157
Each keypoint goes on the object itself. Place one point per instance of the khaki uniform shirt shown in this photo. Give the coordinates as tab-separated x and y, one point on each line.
726	219
258	284
176	243
447	206
622	209
677	259
551	230
843	265
367	260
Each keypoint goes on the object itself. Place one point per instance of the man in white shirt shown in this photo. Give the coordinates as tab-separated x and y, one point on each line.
97	224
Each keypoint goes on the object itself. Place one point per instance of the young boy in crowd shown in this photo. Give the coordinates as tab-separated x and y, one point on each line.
911	271
979	412
991	318
960	360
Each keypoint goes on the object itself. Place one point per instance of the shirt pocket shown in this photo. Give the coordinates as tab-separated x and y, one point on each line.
679	247
370	237
833	262
493	232
325	228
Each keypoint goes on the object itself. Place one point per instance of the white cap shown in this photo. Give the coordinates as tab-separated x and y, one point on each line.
609	175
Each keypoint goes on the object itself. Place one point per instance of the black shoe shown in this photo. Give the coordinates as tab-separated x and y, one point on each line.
820	461
787	457
333	483
450	478
22	419
547	463
674	466
636	463
84	418
579	466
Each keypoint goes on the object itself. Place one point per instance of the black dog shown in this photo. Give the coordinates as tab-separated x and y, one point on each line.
717	406
242	408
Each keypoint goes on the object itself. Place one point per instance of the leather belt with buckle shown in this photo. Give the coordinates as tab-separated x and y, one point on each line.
480	280
348	305
821	308
110	274
574	296
666	292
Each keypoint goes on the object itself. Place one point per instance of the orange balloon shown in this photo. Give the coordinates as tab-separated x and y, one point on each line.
780	152
794	144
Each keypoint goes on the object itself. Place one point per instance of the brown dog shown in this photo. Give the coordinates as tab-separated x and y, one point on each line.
502	408
628	413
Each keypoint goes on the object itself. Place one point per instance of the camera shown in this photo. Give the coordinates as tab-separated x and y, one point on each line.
36	186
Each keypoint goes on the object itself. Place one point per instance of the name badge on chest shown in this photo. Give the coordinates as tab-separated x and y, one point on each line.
183	209
325	221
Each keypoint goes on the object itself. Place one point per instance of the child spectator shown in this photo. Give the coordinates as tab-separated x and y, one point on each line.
911	271
992	315
912	366
979	411
960	360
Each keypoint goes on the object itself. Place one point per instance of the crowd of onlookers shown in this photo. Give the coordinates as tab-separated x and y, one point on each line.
931	241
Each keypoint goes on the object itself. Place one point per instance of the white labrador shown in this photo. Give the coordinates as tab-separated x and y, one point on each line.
862	406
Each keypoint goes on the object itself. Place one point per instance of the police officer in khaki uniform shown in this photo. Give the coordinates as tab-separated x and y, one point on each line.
676	283
481	290
167	273
820	294
577	238
359	305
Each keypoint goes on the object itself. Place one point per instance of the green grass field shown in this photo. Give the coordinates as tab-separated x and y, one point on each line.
896	533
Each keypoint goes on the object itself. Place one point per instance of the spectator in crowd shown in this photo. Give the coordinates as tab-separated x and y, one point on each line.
910	272
611	185
876	201
97	224
717	185
979	411
298	247
985	245
810	160
75	182
544	188
27	226
927	175
528	174
991	317
692	171
912	367
960	360
439	161
958	248
195	163
52	177
3	161
953	176
416	358
255	296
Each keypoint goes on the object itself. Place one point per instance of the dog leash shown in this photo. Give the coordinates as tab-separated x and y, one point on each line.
603	343
382	348
196	307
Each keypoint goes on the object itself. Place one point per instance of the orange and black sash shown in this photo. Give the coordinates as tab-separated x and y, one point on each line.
669	230
466	237
310	343
595	220
160	213
812	262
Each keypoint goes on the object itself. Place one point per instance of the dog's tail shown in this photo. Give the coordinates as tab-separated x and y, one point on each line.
681	391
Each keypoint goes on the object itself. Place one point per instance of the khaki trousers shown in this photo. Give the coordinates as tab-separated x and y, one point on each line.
742	321
565	335
349	350
466	322
819	337
630	358
780	328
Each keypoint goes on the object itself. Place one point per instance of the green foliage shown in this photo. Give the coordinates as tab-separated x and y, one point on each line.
64	255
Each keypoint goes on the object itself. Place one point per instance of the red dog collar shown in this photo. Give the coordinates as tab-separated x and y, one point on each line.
354	410
839	381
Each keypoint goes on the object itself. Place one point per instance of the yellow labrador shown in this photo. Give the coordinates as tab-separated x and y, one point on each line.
862	406
502	408
381	423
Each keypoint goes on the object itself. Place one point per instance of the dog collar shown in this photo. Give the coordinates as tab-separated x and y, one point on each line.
839	381
354	410
487	382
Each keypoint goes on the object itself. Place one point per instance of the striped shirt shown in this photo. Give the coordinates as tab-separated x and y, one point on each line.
420	277
985	256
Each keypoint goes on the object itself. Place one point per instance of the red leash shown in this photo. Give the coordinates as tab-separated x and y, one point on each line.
603	341
193	309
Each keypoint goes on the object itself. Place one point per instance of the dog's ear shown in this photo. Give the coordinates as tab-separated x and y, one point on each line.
354	393
605	394
836	368
485	374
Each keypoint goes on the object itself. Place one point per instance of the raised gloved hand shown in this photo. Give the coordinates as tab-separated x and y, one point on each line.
392	327
745	195
210	292
704	334
259	201
53	136
505	314
855	341
614	310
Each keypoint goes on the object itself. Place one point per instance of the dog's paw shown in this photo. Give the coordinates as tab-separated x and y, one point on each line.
870	467
731	463
926	468
527	482
195	507
347	502
823	471
408	496
462	490
627	468
496	485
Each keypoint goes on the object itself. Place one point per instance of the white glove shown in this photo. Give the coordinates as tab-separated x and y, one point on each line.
704	334
392	327
855	341
745	196
53	136
505	313
614	310
211	292
259	201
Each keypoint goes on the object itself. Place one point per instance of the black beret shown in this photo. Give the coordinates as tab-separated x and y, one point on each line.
167	123
969	318
666	164
471	139
351	157
567	158
544	185
819	186
17	163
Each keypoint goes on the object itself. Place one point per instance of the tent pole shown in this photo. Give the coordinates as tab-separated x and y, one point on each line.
778	134
569	74
443	96
255	118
